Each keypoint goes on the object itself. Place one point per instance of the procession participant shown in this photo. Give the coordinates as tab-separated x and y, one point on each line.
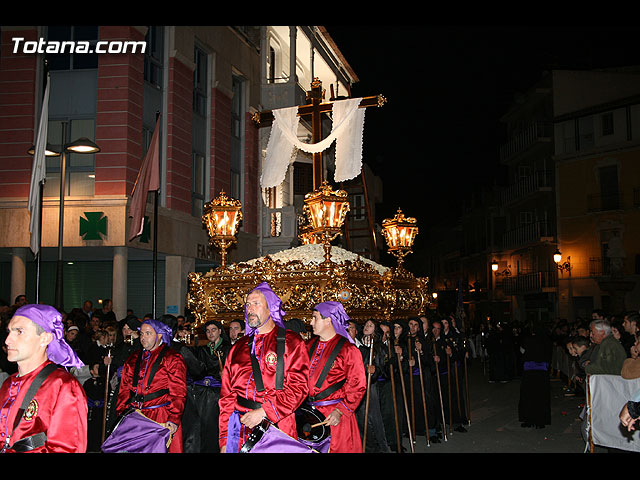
421	378
123	349
337	380
278	385
236	330
388	407
373	355
154	381
204	379
450	355
53	417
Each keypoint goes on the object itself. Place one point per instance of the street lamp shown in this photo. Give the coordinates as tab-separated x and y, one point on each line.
82	146
222	217
562	266
326	210
400	233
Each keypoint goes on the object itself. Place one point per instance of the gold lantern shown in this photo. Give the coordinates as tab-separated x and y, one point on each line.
400	233
326	210
222	215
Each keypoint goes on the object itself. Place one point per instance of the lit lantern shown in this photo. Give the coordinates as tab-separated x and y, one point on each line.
400	233
326	210
222	216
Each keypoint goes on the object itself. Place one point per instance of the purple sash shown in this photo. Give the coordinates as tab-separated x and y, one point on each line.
535	366
136	433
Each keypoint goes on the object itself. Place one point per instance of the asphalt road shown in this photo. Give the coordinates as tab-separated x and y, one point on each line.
495	427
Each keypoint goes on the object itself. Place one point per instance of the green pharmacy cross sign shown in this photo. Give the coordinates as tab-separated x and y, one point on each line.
93	226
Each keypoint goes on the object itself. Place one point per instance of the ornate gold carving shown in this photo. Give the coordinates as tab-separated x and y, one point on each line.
373	291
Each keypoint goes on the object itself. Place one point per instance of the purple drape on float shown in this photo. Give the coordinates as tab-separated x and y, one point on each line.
275	440
137	434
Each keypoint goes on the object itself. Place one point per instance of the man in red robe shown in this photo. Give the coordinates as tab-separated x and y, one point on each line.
247	396
163	398
337	390
55	419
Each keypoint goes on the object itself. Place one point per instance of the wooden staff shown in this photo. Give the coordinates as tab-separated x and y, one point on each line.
395	405
444	424
424	400
366	409
404	398
455	368
106	398
411	392
449	390
466	386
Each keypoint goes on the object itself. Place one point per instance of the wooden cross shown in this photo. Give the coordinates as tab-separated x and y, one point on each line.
316	108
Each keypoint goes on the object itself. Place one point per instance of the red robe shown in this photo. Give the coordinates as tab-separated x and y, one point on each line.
279	405
345	437
58	409
171	375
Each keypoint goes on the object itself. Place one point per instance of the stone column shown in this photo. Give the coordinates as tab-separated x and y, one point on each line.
119	285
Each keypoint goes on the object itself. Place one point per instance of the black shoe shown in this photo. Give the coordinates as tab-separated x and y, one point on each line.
526	425
434	440
460	429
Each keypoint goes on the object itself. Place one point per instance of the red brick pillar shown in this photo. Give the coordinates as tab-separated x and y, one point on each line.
119	114
179	136
18	116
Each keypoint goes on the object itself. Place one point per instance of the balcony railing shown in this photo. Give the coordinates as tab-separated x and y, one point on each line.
533	183
529	282
534	133
527	234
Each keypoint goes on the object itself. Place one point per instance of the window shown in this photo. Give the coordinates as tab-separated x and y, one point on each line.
607	123
302	178
79	168
585	130
153	56
65	60
609	193
237	116
198	185
200	82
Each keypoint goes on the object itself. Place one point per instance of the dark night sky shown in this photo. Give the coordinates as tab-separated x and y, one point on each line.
447	87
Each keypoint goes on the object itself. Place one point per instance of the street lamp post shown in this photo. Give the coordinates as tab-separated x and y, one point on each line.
82	146
565	267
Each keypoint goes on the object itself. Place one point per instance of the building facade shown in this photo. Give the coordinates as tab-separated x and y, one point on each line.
207	83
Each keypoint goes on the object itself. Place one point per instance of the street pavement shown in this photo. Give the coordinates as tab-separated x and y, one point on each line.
495	427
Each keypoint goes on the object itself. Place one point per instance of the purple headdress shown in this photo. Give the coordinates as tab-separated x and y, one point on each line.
339	318
50	319
275	307
161	329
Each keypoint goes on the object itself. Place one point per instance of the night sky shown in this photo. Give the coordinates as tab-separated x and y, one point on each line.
447	86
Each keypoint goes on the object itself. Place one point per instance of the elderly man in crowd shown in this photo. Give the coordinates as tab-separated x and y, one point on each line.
608	354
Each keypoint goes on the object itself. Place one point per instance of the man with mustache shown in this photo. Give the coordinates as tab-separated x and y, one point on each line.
278	384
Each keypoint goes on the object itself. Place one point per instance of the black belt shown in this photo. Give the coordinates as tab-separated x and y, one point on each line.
246	403
29	443
140	398
327	391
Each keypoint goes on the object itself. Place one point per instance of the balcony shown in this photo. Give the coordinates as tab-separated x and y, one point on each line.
280	95
535	133
533	282
528	234
538	182
279	229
